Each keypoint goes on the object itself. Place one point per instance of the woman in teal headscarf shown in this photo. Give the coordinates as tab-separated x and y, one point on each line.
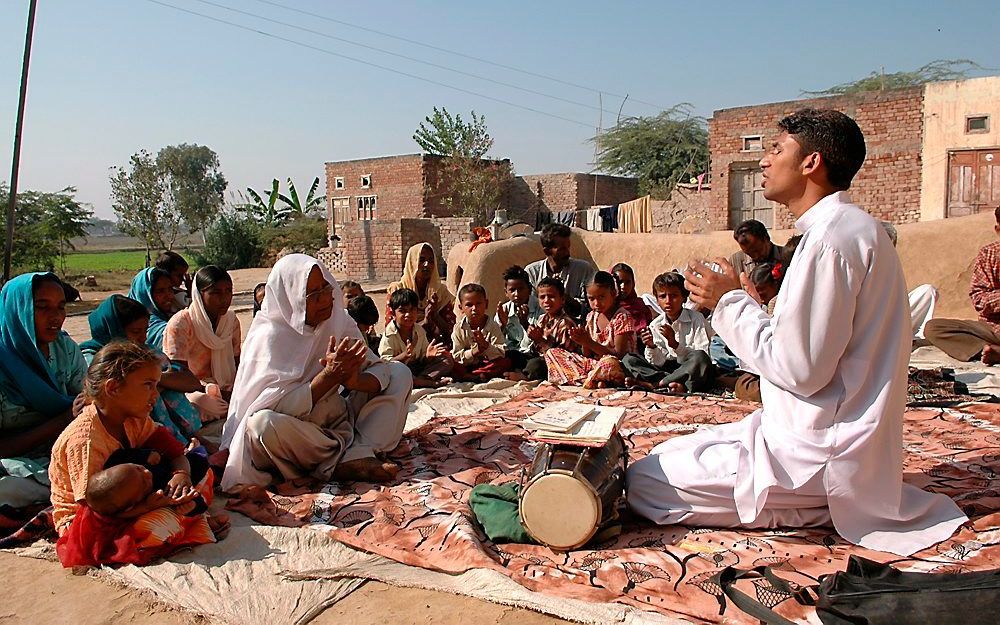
121	318
153	288
41	375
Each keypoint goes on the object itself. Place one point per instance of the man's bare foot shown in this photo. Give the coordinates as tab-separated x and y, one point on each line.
515	376
635	383
220	525
991	355
674	387
366	470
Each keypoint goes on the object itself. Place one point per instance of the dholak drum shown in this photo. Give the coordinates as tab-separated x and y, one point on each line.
570	492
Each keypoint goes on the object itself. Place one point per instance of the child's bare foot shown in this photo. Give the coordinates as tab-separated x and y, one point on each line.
366	470
991	355
515	376
220	525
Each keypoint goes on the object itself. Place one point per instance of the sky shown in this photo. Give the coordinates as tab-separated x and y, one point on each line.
111	77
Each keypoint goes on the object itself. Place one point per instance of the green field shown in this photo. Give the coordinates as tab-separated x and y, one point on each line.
94	262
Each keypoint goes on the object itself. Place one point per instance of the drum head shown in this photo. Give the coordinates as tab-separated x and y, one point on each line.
560	511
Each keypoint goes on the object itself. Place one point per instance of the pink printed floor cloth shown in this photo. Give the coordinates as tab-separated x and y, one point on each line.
424	519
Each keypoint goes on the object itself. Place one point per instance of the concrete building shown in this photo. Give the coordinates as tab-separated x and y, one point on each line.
932	153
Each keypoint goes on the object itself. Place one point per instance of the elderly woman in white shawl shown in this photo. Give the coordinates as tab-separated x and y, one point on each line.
287	416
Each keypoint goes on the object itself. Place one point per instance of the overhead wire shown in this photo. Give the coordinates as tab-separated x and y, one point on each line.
401	56
370	64
457	53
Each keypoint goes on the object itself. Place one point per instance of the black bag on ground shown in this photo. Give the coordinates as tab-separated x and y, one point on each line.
869	593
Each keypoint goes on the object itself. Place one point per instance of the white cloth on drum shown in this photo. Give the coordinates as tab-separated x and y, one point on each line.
833	366
923	299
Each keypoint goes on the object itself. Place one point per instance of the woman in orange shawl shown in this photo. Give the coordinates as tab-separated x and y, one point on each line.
436	313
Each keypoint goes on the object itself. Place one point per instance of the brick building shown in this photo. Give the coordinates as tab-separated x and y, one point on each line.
888	185
379	207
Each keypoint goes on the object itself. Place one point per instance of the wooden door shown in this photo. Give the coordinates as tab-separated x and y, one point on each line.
973	182
746	196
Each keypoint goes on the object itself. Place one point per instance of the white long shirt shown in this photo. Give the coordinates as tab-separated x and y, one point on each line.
690	330
833	365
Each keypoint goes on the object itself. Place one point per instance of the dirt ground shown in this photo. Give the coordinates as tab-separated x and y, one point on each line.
38	591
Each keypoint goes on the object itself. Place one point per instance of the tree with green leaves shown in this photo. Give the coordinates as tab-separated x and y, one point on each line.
193	186
43	226
660	151
934	71
474	187
444	134
137	197
65	220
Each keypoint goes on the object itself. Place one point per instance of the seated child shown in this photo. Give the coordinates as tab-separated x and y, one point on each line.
642	316
552	329
676	343
351	289
516	315
477	341
365	313
605	339
258	297
121	389
766	279
406	342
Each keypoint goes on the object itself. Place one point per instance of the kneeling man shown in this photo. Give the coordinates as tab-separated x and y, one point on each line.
827	446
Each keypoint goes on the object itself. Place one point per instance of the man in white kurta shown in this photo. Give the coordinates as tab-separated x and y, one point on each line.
826	448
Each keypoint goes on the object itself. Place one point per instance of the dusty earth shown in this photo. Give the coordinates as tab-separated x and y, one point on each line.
39	591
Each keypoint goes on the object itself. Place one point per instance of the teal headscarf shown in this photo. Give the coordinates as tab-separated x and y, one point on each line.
142	292
25	376
104	326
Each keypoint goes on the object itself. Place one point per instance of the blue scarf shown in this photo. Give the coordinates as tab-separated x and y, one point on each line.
142	292
104	325
25	376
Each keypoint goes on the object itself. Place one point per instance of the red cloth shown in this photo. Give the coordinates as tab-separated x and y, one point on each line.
93	539
641	315
164	443
489	369
482	236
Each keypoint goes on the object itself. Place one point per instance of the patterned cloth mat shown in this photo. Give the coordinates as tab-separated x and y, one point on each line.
424	518
940	387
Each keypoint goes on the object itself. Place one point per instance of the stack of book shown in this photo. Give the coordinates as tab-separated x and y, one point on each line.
573	423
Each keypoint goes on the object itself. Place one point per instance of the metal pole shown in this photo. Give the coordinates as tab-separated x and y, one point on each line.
15	165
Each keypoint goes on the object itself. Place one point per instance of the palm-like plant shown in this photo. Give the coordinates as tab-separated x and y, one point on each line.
267	212
295	207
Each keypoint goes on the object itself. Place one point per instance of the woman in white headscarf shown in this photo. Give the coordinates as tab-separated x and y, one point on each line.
287	416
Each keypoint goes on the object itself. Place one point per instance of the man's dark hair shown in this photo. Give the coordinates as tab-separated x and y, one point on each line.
471	287
670	279
555	283
553	231
170	261
402	297
835	136
517	272
363	309
996	215
753	228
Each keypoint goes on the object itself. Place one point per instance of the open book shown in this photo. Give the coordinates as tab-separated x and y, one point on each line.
559	417
592	431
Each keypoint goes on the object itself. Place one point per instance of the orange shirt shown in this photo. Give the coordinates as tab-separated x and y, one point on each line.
80	452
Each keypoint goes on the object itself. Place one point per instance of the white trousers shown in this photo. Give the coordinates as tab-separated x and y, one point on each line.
923	299
335	431
690	480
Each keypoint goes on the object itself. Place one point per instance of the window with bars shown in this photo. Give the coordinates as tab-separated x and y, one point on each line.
367	207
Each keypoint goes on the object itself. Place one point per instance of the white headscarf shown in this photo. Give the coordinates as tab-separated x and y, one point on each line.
280	354
219	340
